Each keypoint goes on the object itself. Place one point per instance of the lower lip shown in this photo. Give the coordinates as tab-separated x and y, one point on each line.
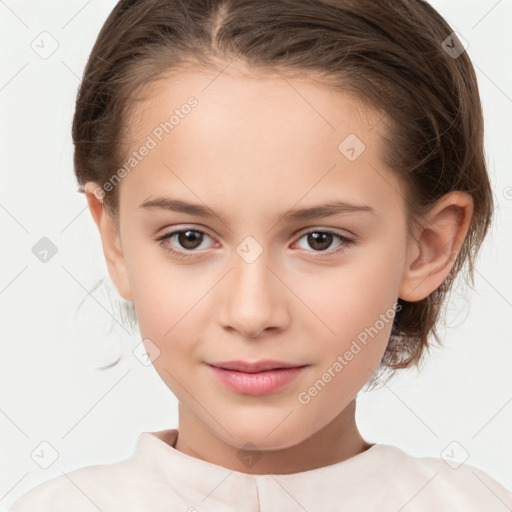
261	383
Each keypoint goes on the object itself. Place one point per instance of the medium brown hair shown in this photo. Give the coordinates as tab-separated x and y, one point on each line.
393	54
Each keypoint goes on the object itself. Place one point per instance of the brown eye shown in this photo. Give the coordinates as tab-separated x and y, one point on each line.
189	239
185	242
319	240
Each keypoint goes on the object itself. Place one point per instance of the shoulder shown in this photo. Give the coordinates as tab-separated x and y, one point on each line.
52	492
448	484
88	489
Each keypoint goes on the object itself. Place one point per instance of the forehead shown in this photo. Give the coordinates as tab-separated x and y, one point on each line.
242	135
254	99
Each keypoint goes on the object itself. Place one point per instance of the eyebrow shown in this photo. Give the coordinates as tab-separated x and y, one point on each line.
312	212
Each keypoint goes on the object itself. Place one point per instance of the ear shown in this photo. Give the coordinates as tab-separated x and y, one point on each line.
431	255
110	239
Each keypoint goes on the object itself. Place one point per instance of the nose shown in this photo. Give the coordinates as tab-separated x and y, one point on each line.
255	299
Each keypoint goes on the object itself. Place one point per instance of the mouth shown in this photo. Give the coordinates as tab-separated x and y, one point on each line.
255	378
254	367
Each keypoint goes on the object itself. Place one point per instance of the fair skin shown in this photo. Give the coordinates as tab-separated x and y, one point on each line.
250	151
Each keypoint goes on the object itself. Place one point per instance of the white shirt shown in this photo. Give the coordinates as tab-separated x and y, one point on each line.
159	478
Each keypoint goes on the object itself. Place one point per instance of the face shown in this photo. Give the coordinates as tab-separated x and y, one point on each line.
253	280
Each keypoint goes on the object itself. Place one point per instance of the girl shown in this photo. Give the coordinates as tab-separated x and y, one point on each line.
285	190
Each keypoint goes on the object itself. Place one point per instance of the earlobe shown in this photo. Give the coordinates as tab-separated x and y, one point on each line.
431	256
110	239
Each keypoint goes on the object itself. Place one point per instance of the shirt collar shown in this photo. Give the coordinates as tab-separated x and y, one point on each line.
209	484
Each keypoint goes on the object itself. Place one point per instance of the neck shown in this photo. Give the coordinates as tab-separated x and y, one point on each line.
337	441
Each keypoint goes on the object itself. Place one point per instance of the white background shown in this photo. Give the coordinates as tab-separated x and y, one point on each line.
49	390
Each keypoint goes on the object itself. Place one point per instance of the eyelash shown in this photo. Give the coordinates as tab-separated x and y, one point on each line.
347	242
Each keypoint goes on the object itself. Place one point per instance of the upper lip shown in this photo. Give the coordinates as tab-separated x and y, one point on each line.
253	367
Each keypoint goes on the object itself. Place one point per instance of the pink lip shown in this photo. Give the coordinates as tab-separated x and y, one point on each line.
261	378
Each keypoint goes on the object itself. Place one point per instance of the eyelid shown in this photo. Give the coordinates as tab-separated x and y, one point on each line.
184	227
325	229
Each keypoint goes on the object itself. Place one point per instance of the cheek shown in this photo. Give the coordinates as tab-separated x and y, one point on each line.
165	307
162	293
353	296
356	305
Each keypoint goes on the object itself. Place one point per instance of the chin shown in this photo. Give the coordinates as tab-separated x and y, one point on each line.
264	437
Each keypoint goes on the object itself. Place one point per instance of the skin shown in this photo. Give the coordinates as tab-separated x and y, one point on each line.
252	149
